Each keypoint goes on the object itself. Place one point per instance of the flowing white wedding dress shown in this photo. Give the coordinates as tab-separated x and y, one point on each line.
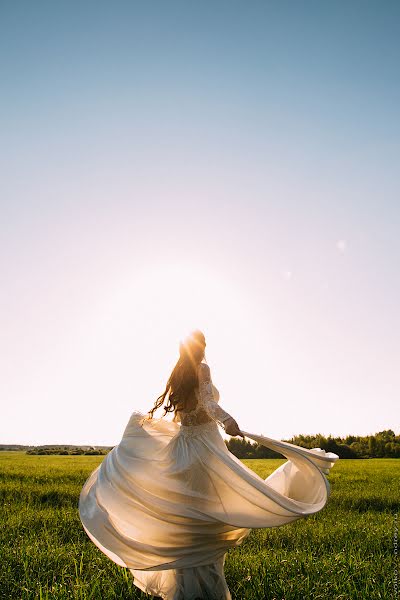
169	500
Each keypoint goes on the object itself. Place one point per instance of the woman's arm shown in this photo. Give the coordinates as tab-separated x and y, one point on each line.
212	407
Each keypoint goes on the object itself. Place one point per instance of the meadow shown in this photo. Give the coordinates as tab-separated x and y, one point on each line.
345	552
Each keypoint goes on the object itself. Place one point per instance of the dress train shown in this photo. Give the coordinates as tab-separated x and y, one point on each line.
169	500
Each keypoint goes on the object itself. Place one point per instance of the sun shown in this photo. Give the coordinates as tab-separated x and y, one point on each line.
130	339
160	304
177	298
136	328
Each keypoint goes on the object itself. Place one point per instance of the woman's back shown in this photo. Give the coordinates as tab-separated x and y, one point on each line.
195	410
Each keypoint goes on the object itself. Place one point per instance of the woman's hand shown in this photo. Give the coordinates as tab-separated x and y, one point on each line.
232	428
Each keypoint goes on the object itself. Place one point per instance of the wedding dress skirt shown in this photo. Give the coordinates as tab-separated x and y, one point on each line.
169	500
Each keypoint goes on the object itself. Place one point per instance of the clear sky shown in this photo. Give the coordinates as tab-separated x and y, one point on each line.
229	166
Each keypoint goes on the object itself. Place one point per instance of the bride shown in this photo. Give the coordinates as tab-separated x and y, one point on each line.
169	500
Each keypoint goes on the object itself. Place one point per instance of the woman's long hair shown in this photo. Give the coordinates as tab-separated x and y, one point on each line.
183	379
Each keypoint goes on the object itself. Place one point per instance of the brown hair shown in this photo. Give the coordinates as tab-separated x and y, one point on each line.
183	379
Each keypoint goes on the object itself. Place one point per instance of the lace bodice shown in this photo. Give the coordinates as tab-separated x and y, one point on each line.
207	408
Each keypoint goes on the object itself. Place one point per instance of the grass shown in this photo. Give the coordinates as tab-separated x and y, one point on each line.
345	552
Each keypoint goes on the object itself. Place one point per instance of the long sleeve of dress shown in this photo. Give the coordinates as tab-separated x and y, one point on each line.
206	394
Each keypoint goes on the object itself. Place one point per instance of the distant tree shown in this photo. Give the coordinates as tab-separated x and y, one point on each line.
344	451
372	445
349	439
389	449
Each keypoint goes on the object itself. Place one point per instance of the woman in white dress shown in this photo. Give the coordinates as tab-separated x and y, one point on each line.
169	500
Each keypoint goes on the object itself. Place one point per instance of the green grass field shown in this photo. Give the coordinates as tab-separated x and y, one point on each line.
344	552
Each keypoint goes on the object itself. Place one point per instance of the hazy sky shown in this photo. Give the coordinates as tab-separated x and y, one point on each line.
232	166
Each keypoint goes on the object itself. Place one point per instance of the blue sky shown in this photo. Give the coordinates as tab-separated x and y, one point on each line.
232	166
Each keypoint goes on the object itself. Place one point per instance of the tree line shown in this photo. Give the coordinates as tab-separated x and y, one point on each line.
69	451
384	444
